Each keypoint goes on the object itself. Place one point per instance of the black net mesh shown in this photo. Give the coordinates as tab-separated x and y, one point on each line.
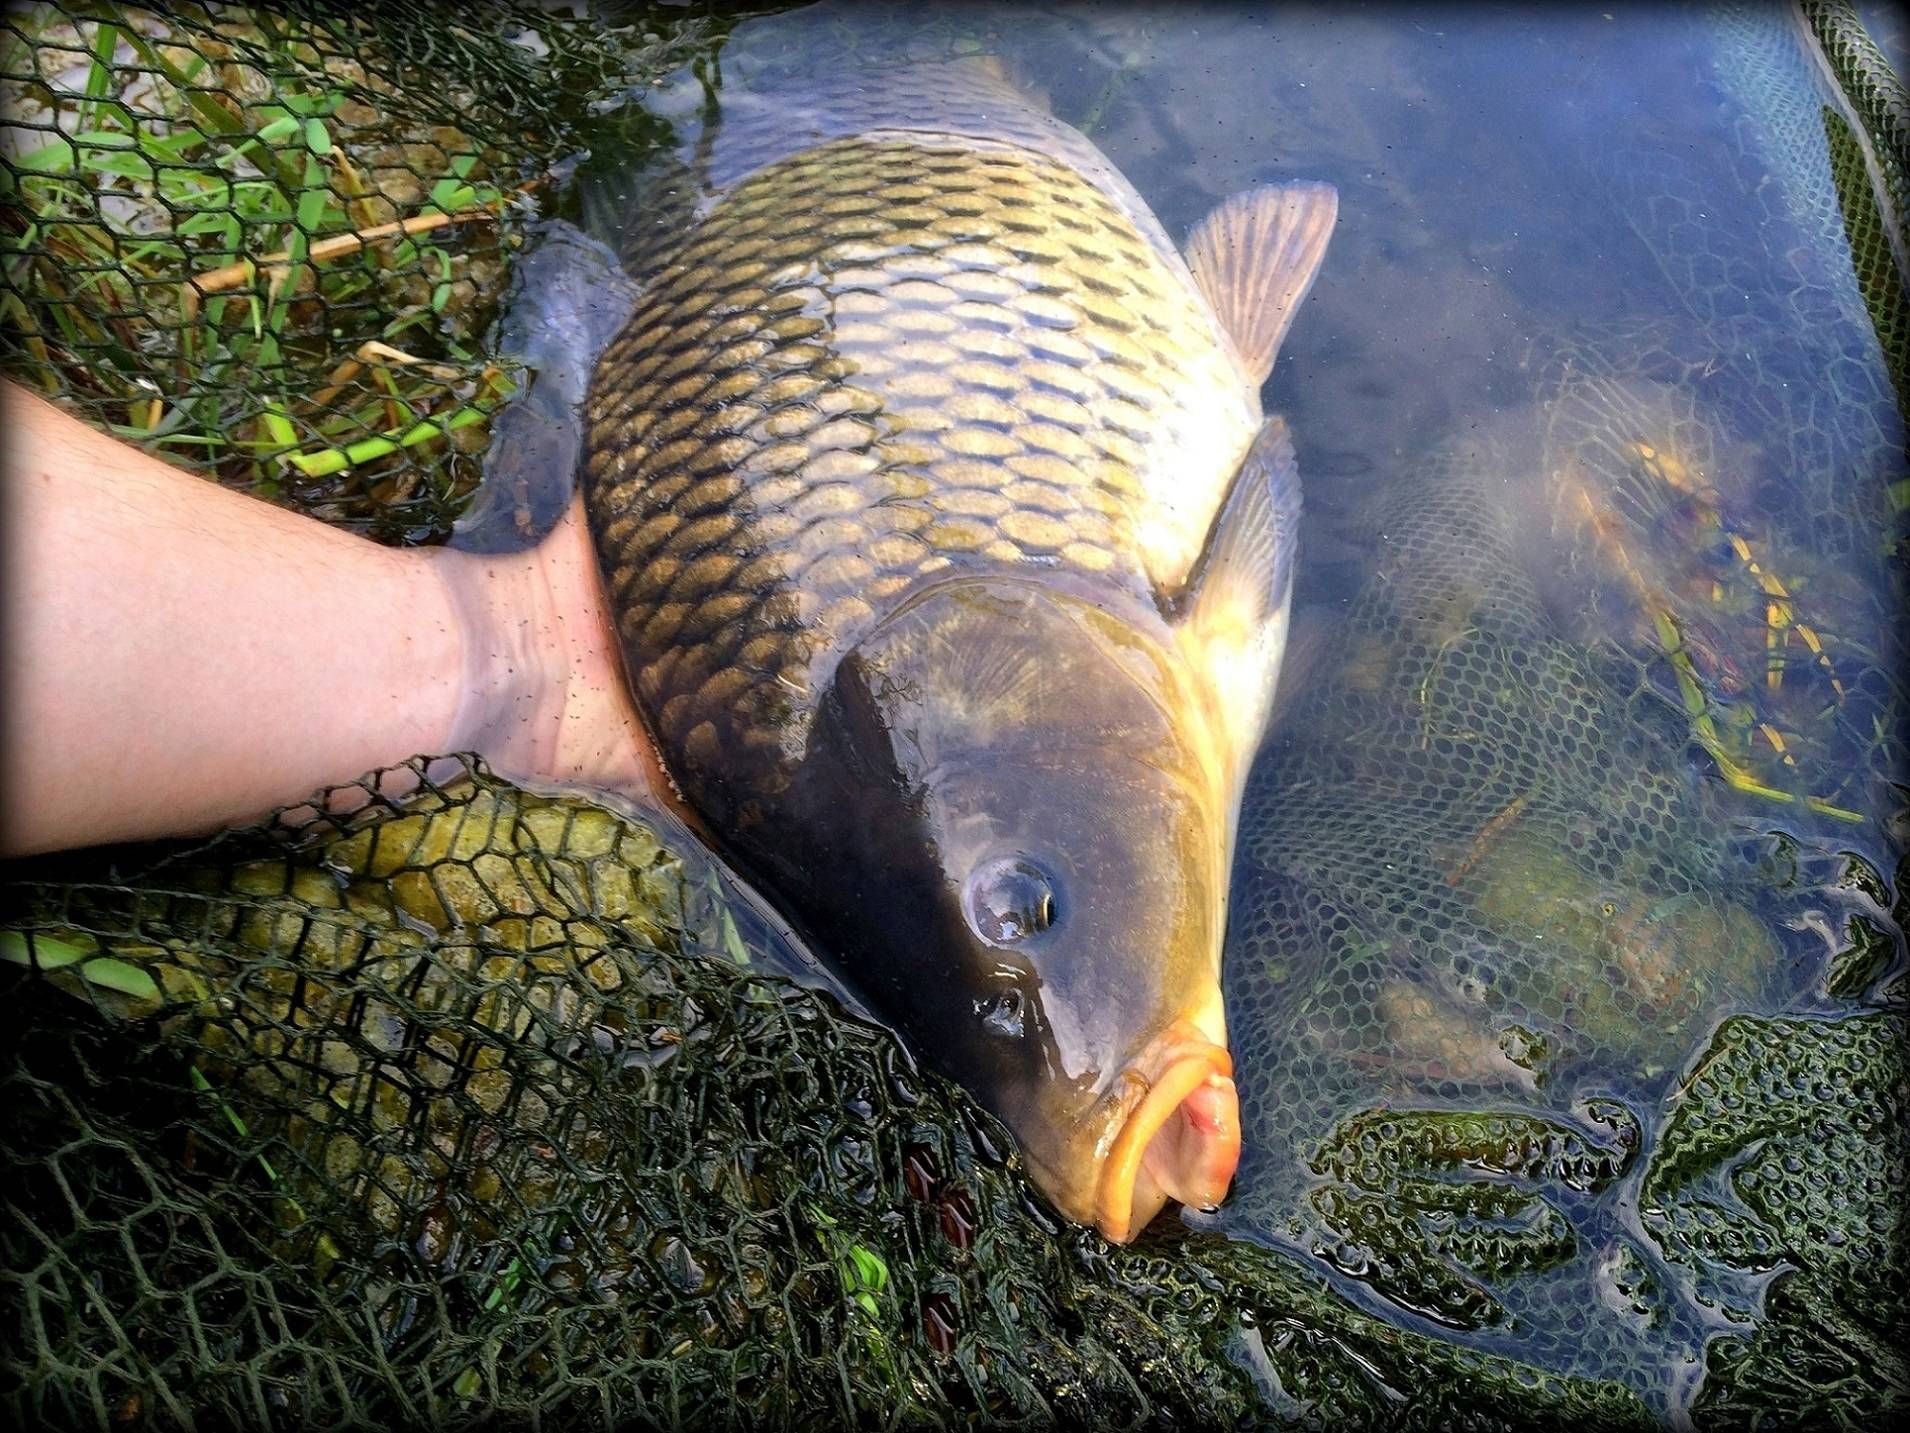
1480	906
478	1106
1517	846
468	1109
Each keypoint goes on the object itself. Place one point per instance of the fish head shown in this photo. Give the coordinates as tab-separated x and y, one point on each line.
1012	782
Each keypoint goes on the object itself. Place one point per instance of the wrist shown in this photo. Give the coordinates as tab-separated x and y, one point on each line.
504	675
541	695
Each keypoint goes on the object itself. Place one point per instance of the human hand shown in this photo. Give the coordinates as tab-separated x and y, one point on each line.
176	657
544	696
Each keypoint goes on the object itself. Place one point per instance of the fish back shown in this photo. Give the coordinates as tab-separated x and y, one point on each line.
885	361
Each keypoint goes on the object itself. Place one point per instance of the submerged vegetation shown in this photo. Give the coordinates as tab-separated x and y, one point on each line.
270	245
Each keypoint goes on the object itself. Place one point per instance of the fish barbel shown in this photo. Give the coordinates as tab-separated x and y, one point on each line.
950	552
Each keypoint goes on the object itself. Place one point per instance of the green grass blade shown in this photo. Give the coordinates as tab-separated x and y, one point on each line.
45	952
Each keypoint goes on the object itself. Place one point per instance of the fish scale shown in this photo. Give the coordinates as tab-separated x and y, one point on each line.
871	366
942	531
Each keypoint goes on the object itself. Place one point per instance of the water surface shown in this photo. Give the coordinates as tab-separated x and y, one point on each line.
1590	739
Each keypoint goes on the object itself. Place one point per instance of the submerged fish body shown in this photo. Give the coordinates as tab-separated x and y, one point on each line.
949	551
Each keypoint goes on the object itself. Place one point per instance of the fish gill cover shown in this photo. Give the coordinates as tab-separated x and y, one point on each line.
484	1106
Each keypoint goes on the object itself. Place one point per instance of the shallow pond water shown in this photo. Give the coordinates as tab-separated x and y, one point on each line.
1590	738
1564	967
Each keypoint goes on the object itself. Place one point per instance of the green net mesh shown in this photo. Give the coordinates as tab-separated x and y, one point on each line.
481	1106
454	1113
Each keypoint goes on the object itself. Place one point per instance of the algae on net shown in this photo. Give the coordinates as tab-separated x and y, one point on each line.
463	1111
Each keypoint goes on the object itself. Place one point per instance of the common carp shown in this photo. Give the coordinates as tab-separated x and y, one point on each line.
950	551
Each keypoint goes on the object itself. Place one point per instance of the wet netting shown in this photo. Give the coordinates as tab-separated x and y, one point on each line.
268	244
1623	664
477	1106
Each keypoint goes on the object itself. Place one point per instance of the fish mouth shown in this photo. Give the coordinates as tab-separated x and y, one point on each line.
1179	1135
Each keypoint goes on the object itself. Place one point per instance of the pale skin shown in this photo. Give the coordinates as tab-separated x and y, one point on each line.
176	657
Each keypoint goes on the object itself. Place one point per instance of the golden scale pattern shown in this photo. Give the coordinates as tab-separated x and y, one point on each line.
876	362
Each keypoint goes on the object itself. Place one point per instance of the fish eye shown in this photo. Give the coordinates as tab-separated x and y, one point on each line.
1003	1012
1010	899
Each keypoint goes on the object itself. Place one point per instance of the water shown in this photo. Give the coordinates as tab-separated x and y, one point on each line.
1590	362
1521	193
1590	344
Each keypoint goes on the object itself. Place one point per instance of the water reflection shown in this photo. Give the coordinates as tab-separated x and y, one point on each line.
1598	432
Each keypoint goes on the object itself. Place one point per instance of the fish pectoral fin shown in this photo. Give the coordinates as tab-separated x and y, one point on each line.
1255	257
1244	573
1232	615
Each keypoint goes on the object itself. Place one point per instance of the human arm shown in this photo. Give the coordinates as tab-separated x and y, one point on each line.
175	657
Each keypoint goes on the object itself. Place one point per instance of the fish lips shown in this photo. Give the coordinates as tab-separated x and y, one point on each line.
1170	1129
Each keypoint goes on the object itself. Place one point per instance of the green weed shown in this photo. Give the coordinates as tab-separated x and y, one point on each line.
198	221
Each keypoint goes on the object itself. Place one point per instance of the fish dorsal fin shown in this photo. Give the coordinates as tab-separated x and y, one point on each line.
1255	257
1231	616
